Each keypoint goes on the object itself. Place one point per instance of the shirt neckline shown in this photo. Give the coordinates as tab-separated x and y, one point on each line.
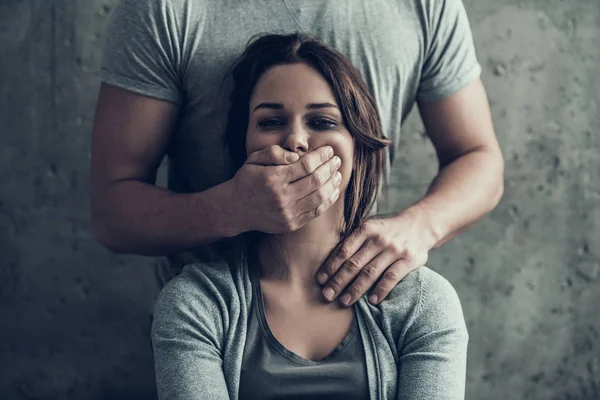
259	311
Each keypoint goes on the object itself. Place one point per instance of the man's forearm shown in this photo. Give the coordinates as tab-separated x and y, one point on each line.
139	218
463	191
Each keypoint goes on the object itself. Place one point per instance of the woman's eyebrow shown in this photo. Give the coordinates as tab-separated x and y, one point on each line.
320	105
276	106
279	106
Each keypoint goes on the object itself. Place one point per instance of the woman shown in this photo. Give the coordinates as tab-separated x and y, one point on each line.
255	325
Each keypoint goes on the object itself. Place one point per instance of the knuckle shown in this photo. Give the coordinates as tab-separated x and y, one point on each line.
332	168
352	266
328	269
395	249
315	212
392	275
320	196
317	179
379	240
366	228
319	210
308	205
383	289
273	151
370	272
336	284
355	290
314	180
306	165
410	254
344	251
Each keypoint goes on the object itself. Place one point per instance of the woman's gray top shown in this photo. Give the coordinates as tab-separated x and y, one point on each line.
270	371
415	341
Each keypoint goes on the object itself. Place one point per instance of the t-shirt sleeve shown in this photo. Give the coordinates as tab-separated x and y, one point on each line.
141	49
450	61
433	354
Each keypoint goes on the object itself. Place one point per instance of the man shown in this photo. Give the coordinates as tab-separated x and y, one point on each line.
163	70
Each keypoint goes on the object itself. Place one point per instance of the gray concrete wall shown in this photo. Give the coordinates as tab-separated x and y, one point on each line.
75	318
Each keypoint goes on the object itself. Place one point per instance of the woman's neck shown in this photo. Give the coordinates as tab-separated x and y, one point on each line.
293	258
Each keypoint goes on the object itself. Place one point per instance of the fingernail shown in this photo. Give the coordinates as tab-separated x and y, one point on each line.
322	278
328	293
345	299
373	298
337	161
329	152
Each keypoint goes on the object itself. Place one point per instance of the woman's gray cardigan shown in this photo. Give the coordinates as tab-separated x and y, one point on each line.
415	341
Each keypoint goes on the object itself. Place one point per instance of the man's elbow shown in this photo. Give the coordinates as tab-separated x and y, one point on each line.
103	233
499	172
499	193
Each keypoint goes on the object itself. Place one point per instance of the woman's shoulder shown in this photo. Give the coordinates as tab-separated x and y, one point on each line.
419	282
424	295
199	278
207	289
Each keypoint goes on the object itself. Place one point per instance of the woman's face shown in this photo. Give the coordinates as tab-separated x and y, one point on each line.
294	107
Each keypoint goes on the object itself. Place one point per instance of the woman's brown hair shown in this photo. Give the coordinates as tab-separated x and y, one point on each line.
356	102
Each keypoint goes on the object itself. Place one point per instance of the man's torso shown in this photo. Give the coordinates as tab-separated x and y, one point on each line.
181	51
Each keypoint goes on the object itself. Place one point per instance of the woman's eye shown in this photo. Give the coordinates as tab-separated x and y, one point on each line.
270	122
323	124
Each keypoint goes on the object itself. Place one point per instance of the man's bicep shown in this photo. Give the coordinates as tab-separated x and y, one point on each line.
450	59
460	122
130	135
142	49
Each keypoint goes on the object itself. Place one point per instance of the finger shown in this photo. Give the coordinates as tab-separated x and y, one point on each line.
309	215
309	184
367	278
308	163
349	270
340	254
319	197
272	155
394	274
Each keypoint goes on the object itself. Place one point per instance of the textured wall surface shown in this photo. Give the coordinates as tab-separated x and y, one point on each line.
75	318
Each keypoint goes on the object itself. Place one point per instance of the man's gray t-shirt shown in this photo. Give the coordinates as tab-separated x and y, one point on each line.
180	50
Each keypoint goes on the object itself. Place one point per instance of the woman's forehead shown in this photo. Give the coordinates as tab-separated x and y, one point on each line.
293	84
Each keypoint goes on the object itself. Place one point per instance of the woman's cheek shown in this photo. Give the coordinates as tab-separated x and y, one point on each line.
255	142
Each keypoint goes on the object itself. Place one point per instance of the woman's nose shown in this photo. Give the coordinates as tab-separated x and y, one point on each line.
297	139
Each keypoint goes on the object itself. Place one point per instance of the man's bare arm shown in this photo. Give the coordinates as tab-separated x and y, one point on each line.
470	182
132	215
129	213
468	185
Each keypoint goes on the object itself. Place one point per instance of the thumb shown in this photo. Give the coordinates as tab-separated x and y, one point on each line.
273	155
